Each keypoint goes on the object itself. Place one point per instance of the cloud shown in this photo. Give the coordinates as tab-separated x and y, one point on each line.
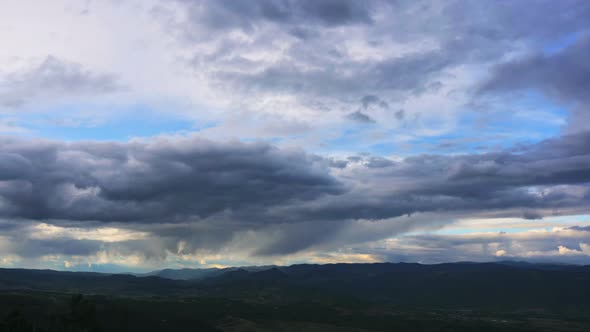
163	180
213	191
454	33
547	177
294	73
53	78
537	245
581	228
562	75
370	100
174	180
531	215
360	117
367	102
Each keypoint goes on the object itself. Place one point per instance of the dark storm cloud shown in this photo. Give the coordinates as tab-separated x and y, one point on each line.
205	193
158	181
13	166
179	180
549	176
51	78
531	215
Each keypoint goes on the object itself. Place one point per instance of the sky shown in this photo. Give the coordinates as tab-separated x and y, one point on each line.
140	134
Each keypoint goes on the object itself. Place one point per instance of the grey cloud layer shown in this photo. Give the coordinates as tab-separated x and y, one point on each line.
229	187
569	245
362	58
51	78
549	176
224	14
158	181
564	75
313	60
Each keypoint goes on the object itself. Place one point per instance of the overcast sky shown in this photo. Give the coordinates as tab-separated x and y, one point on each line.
142	134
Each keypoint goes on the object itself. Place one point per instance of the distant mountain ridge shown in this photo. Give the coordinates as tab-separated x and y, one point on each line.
206	273
466	284
199	274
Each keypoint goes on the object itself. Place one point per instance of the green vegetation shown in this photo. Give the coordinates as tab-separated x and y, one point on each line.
382	297
28	311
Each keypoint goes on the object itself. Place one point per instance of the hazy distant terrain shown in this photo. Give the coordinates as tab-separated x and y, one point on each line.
336	297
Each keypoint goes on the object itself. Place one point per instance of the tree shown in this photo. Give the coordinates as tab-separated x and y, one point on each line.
15	321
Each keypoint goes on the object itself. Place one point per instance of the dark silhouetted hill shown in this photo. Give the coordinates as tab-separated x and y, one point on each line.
451	284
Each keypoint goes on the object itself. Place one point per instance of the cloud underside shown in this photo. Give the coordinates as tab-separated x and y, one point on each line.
204	193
